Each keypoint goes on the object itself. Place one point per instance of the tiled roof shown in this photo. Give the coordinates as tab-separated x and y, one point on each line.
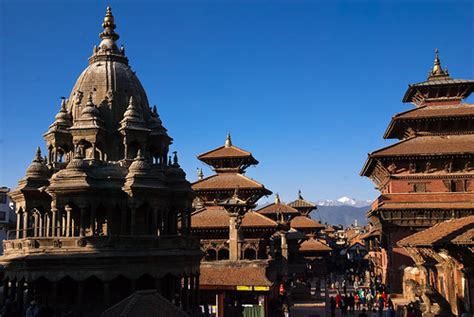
437	111
313	245
467	238
227	181
233	275
217	217
223	151
278	208
427	205
305	222
144	303
429	145
301	203
441	233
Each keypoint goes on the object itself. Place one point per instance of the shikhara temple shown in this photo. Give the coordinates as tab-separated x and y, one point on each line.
425	178
97	216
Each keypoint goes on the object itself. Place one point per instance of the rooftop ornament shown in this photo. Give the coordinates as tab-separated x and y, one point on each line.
437	72
228	140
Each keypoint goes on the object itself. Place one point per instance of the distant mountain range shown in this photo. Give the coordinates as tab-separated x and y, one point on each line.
343	211
345	201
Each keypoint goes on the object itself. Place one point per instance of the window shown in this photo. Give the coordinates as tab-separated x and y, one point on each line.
3	198
419	187
457	186
3	216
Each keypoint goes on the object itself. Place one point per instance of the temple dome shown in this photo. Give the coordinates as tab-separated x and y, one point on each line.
37	168
110	81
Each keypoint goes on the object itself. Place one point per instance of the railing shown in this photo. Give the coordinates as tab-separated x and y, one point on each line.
43	232
30	245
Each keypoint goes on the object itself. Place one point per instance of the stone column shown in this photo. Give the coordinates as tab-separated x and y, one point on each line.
80	294
47	226
133	219
25	223
92	227
19	296
29	292
192	292
185	293
18	224
82	215
233	237
155	221
6	286
184	223
106	294
54	222
68	221
123	222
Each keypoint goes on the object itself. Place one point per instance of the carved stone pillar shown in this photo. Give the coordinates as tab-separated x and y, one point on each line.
92	227
133	219
155	230
18	224
25	223
82	215
123	222
185	293
47	227
19	296
68	221
6	286
107	294
234	254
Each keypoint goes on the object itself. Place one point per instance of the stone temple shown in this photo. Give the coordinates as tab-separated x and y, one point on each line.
97	217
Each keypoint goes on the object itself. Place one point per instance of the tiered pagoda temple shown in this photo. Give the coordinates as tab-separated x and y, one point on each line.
97	217
426	177
239	265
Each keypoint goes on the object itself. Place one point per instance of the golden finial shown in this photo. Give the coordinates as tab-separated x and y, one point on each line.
109	21
200	174
228	140
277	199
437	71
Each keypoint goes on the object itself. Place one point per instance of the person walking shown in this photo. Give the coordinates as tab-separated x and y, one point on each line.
380	304
332	303
363	313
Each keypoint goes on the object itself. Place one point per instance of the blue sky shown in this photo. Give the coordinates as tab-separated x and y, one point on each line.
307	86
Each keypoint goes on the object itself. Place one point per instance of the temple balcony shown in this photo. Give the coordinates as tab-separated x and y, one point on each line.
90	244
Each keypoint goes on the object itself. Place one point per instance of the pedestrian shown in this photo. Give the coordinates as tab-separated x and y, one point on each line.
351	303
390	312
374	313
33	310
380	306
369	298
332	303
357	301
338	300
343	306
363	313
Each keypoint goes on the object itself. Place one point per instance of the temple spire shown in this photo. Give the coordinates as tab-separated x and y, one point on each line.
228	140
437	70
108	35
277	199
200	174
38	157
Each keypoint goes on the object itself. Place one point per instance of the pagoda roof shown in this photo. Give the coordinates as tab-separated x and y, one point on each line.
429	146
426	205
413	89
217	217
229	181
303	222
428	112
447	232
226	152
235	274
278	208
314	245
301	203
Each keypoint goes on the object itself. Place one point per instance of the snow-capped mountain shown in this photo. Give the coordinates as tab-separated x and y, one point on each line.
345	201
